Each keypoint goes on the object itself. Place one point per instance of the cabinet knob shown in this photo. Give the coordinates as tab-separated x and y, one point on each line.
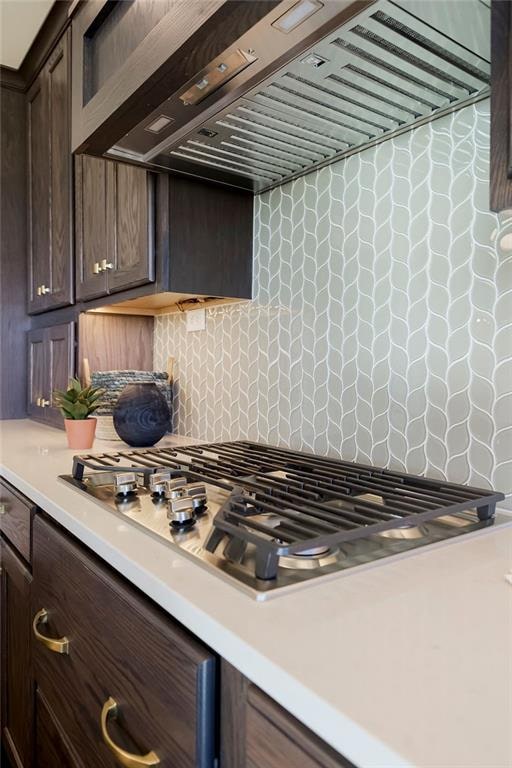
96	269
3	508
38	290
44	403
106	265
45	290
57	645
128	759
38	401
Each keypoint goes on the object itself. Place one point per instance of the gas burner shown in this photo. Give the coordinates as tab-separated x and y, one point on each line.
316	557
405	532
125	483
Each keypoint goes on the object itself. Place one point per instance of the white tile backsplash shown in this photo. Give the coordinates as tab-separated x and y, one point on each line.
381	326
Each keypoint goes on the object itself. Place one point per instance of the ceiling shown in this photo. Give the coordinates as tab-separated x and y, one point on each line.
20	21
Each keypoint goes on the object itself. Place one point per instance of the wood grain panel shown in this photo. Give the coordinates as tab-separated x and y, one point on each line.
120	646
16	519
38	193
211	243
91	225
60	364
61	258
113	342
501	105
16	658
275	739
133	227
13	285
36	370
52	746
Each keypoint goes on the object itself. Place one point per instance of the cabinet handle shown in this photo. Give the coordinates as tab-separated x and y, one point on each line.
96	269
128	759
38	290
45	290
3	508
38	401
60	645
44	403
106	265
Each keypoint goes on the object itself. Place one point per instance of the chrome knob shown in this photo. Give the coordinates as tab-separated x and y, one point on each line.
158	482
173	487
180	511
197	492
126	483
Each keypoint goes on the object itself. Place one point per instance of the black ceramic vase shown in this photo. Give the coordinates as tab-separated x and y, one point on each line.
141	415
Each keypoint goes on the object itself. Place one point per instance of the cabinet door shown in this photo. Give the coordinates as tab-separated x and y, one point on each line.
60	347
36	372
120	647
17	689
61	253
255	732
131	224
91	242
52	748
38	162
501	106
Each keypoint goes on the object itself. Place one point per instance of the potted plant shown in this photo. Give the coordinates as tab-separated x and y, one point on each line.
76	405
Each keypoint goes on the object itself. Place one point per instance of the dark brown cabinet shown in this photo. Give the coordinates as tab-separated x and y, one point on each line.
49	185
114	205
15	638
116	673
258	733
51	353
501	105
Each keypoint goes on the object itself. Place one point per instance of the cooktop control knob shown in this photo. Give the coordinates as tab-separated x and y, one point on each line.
197	492
158	481
126	483
180	511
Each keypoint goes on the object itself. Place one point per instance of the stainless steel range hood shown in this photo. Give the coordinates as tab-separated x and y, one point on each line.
388	67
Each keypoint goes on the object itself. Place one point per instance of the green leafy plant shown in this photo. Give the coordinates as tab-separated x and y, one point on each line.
77	402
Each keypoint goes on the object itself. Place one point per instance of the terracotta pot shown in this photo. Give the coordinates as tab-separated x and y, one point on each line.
80	432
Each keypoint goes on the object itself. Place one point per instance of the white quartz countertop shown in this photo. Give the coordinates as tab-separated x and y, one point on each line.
406	663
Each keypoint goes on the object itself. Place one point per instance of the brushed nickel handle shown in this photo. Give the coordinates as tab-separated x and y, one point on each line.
127	759
104	265
45	290
96	269
57	645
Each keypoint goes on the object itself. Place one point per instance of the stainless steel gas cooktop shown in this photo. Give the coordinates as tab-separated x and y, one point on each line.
270	519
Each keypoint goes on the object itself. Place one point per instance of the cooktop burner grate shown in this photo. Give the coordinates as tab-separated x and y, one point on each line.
286	503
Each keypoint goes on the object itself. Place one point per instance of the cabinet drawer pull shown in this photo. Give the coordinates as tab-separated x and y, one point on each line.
60	645
96	269
129	760
106	265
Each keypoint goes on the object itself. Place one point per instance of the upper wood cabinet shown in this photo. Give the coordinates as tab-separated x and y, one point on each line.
51	354
50	251
501	105
115	224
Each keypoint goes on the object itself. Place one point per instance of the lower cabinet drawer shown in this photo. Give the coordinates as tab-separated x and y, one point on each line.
15	518
120	677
